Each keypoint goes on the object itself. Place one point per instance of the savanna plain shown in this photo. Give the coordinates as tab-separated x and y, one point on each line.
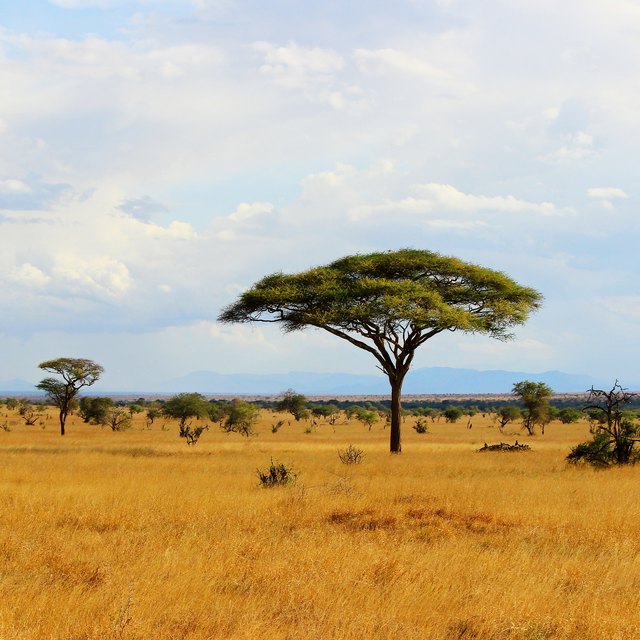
135	535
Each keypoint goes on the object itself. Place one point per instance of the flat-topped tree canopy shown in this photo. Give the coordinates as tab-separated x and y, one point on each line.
75	373
389	303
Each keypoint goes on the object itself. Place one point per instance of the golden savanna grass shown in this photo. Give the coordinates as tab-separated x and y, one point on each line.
134	535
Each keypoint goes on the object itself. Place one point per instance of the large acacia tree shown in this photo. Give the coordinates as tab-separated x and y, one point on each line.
389	304
76	373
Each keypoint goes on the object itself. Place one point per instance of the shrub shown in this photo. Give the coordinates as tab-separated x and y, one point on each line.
615	433
568	415
276	426
351	455
421	426
192	435
453	414
277	475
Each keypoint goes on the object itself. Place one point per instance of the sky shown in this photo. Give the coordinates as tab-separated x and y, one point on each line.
157	157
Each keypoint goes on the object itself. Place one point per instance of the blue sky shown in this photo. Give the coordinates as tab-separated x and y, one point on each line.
159	156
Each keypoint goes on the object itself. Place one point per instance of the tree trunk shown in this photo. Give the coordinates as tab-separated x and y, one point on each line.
63	418
395	444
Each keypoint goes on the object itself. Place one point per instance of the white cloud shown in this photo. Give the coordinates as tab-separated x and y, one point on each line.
577	146
13	186
29	276
443	198
100	275
238	335
247	212
606	193
299	67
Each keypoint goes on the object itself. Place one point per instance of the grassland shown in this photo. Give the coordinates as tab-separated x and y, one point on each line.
136	536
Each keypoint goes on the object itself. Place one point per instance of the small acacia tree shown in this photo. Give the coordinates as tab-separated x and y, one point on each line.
241	418
293	403
389	304
185	407
76	373
505	415
535	397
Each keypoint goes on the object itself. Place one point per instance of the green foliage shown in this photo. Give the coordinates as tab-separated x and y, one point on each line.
11	403
615	431
119	419
277	475
453	414
421	426
76	373
154	411
217	411
95	410
508	413
293	403
185	407
329	412
135	408
241	418
535	397
367	417
569	415
388	304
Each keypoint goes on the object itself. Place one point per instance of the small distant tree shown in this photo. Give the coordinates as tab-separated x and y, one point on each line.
508	413
135	409
11	403
615	432
453	414
535	397
569	415
185	407
119	419
241	418
293	403
153	411
326	411
95	410
76	373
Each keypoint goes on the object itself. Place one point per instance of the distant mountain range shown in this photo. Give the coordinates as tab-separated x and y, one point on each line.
429	380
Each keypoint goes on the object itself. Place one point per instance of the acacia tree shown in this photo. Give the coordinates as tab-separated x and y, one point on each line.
76	373
293	403
535	397
389	304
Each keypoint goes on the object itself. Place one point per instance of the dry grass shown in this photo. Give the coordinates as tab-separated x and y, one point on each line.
136	536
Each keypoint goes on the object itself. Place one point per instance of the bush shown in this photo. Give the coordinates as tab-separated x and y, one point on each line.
453	414
277	475
615	432
351	455
421	426
569	415
192	435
